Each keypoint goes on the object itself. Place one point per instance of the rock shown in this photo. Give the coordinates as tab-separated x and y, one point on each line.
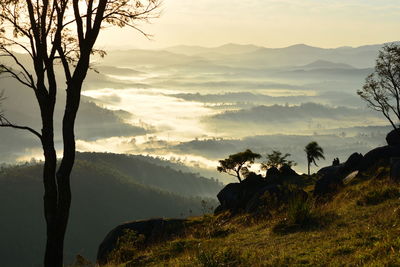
257	203
272	173
154	230
219	209
235	196
378	154
272	197
229	196
287	171
332	176
352	164
330	169
248	196
253	180
393	138
328	184
395	170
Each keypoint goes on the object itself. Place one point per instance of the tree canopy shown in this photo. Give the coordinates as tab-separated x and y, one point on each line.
277	160
314	152
381	90
50	33
238	163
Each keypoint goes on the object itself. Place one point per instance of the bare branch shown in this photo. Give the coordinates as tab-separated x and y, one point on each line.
26	74
16	75
78	19
6	123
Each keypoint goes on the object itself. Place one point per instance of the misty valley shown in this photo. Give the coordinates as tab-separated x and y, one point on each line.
197	105
153	125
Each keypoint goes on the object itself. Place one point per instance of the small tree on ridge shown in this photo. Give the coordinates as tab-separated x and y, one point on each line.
314	152
238	163
277	160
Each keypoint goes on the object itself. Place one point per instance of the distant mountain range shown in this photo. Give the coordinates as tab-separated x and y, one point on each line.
252	56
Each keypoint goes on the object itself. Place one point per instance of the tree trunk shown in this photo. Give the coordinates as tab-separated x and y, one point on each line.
308	163
54	241
55	254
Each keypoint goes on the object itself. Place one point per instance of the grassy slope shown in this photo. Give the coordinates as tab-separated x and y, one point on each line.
360	226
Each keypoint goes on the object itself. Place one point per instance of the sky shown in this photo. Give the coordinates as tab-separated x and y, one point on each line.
269	23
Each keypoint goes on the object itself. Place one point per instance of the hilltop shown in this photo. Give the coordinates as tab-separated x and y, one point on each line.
357	226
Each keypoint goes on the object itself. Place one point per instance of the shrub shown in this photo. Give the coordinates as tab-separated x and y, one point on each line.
126	247
378	195
225	257
302	214
179	246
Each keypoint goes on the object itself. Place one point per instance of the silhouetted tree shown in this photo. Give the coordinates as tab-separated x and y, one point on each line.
381	90
238	163
59	32
314	152
277	160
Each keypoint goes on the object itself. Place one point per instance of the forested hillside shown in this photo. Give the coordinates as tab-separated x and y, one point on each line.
107	190
146	171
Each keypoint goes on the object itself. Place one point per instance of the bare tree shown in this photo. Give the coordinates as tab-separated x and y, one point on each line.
381	90
61	32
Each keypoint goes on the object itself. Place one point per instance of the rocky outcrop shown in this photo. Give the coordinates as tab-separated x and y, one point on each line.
254	195
272	173
393	138
327	184
332	176
395	170
287	171
379	154
154	230
352	164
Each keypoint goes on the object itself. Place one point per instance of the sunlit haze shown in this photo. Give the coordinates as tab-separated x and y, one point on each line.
269	23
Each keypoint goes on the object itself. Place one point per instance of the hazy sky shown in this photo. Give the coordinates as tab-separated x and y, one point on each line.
270	23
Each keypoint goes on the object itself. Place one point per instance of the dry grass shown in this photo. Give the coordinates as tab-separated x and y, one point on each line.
359	226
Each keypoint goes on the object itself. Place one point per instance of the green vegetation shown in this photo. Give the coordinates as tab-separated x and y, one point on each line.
109	189
303	233
238	163
381	90
314	152
277	160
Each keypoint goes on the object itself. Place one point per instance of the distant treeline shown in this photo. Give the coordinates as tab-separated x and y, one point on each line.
108	189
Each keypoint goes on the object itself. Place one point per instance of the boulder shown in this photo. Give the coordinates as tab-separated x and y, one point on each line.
332	176
330	169
395	170
229	196
287	171
154	230
328	184
257	203
253	180
235	196
342	170
272	197
378	154
393	138
352	164
272	173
